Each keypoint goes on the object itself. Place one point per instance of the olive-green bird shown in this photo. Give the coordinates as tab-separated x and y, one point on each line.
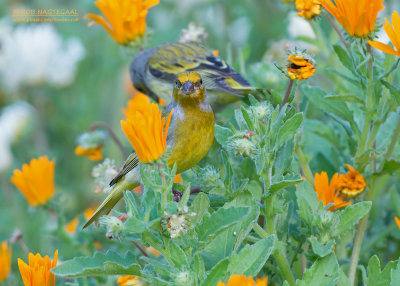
154	72
190	135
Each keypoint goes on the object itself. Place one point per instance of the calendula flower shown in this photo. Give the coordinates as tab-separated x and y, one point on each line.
352	183
91	144
357	17
241	280
70	227
125	20
146	132
308	8
178	179
36	181
327	192
393	32
139	103
5	260
397	220
37	272
300	66
131	280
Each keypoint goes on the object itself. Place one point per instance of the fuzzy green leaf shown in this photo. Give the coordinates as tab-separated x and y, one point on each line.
395	275
110	263
324	272
343	57
252	258
376	277
222	134
288	129
217	273
319	248
350	216
200	206
307	200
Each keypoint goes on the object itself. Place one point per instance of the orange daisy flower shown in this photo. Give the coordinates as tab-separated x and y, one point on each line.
130	280
300	67
357	17
397	221
38	270
352	183
308	8
241	280
125	20
5	260
36	181
146	132
139	103
327	192
178	179
393	33
94	154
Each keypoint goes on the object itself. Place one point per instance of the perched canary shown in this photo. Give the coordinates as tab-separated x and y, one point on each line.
154	72
190	135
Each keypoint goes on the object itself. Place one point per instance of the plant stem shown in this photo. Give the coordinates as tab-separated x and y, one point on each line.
392	68
304	165
104	125
336	28
287	93
392	145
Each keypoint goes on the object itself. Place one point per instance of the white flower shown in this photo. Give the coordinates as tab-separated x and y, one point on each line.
179	223
12	120
193	34
103	174
36	54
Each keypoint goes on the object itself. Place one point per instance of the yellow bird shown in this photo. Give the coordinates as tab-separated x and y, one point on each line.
154	72
190	135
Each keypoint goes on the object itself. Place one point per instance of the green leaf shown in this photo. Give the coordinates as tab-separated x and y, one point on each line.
276	186
110	263
342	75
350	216
252	258
288	129
395	275
185	197
320	249
391	166
395	91
351	98
217	273
376	277
219	220
198	267
248	119
177	255
324	272
307	200
343	57
222	134
200	206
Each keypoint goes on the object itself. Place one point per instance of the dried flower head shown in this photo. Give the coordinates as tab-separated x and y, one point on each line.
300	66
36	181
308	8
103	173
357	17
351	184
179	223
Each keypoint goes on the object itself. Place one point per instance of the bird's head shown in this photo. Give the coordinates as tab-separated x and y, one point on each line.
189	88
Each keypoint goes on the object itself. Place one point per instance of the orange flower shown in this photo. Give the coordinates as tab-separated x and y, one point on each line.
146	132
300	67
36	180
397	221
393	33
125	20
178	179
241	280
73	224
308	8
139	102
161	102
357	17
5	260
153	251
327	191
94	154
351	184
38	270
130	280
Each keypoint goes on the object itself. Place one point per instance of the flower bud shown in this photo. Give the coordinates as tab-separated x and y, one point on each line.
242	146
184	279
115	227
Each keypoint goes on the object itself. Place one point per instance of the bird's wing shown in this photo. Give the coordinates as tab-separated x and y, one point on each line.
130	163
170	59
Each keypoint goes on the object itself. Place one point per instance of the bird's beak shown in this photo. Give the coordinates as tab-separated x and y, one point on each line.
187	87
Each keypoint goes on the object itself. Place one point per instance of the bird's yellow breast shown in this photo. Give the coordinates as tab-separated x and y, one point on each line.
193	136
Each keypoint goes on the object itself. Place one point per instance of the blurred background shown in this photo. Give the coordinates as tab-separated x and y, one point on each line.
57	78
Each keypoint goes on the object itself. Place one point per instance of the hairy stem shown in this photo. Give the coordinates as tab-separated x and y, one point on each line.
104	125
287	93
337	30
304	165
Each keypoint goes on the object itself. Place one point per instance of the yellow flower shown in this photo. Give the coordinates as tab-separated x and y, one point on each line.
73	224
36	181
393	33
357	17
37	273
300	67
5	260
130	280
241	280
327	192
352	183
146	132
140	102
308	8
397	221
94	154
125	20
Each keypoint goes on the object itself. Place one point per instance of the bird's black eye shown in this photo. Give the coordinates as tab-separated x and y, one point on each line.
177	82
201	81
